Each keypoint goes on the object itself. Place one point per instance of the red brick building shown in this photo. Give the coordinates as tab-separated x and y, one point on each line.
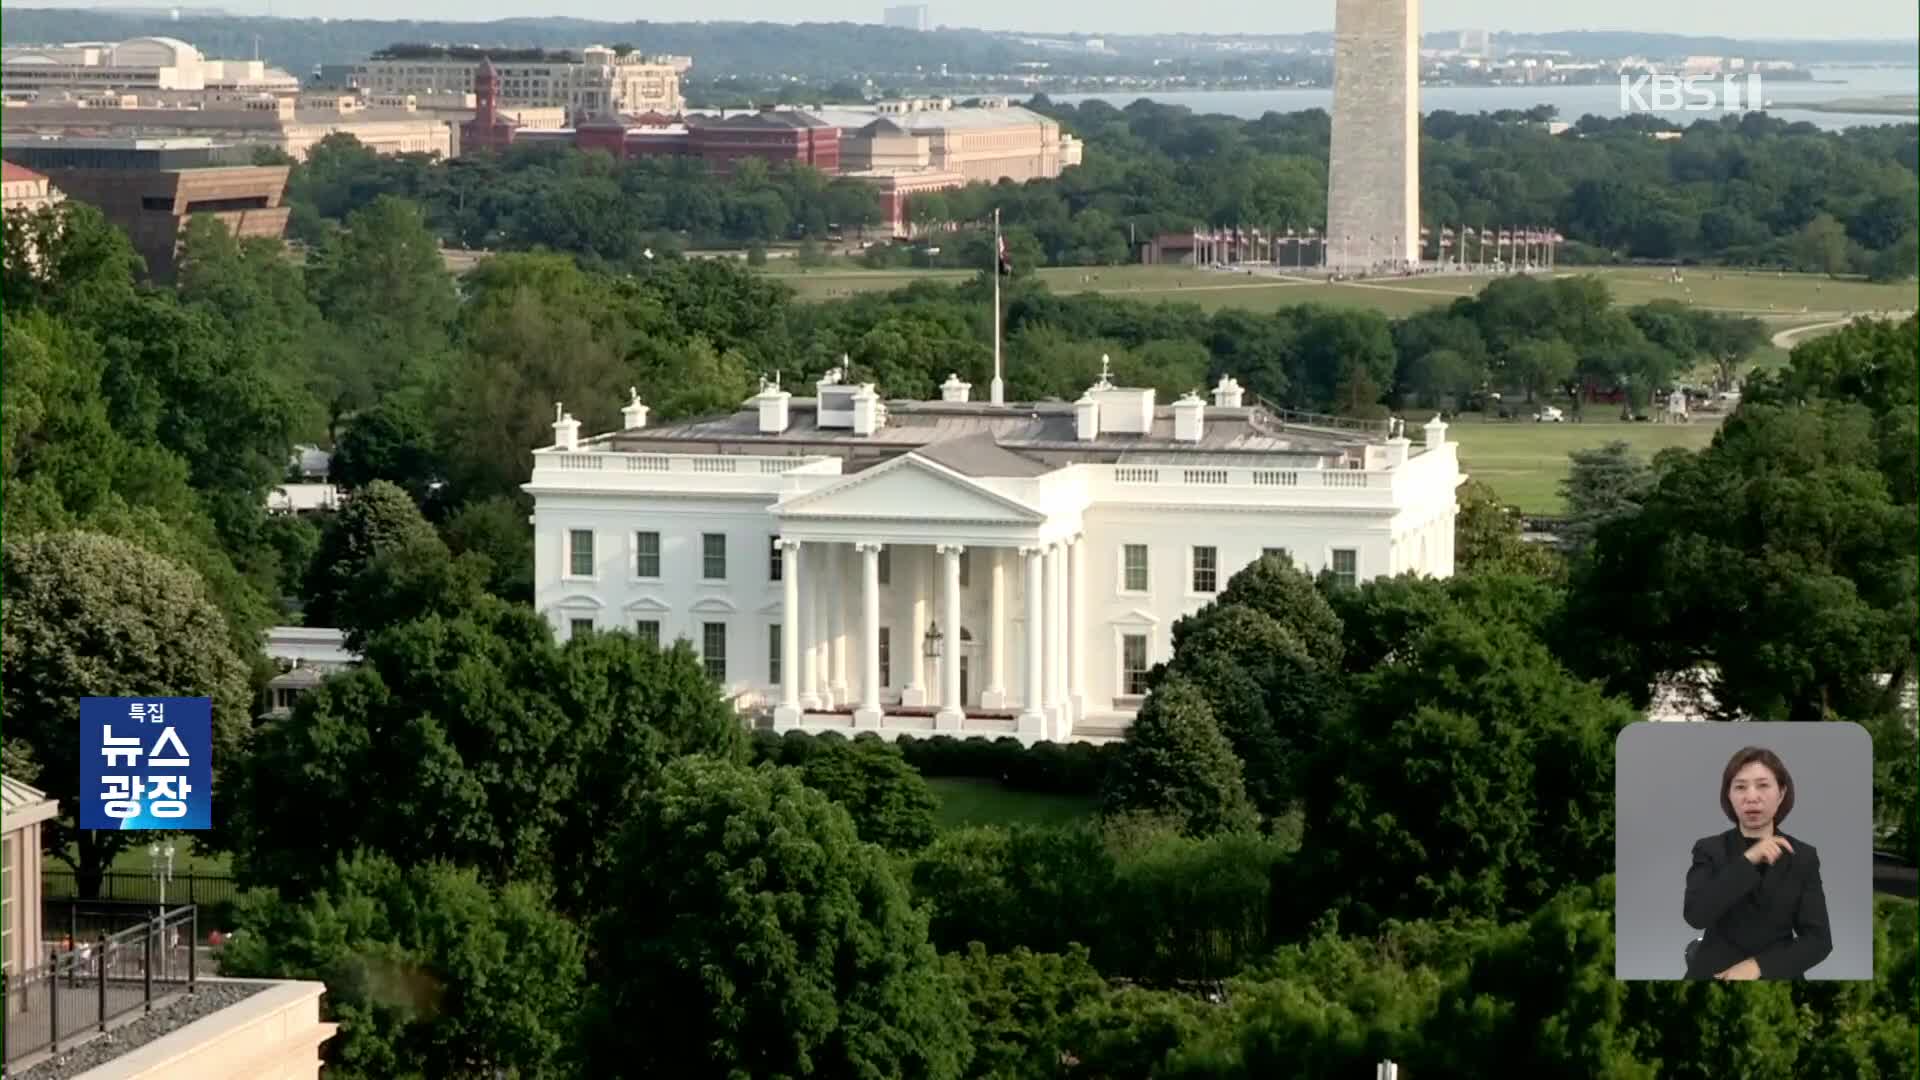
488	130
774	137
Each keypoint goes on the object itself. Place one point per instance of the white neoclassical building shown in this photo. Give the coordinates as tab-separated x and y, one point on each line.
954	566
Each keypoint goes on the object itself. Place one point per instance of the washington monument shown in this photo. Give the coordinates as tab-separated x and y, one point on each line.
1373	175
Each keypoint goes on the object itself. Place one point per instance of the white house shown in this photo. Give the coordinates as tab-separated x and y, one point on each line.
957	566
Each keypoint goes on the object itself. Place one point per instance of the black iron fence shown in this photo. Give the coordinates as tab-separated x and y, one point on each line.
187	887
83	989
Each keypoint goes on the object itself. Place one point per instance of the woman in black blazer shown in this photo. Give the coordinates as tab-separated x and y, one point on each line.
1753	889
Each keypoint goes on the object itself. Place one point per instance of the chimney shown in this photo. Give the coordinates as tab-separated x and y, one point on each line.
773	407
955	390
566	430
1086	418
1436	431
635	414
866	410
1189	418
1227	395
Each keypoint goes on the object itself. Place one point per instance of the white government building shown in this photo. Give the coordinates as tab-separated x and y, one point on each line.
962	567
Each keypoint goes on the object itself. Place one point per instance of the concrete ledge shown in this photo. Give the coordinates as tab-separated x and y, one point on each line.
275	1034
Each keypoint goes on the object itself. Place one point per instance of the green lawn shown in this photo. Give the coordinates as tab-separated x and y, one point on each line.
966	802
1781	297
135	859
1524	462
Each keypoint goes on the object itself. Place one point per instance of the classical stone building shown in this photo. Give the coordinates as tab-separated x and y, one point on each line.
1373	175
846	563
599	81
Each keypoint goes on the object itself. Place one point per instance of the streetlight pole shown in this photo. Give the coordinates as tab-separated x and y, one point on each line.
162	874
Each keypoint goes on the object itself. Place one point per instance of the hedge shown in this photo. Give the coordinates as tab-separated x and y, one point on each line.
1045	768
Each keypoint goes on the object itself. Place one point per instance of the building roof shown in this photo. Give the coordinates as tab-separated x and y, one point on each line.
930	120
13	174
979	455
299	677
22	805
1003	436
768	118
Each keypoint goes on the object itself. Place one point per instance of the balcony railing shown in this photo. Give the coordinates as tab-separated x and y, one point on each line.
688	464
83	989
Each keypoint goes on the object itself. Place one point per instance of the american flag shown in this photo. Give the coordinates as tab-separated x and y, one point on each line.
1006	262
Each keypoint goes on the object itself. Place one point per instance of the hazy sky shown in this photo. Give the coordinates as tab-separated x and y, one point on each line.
1735	18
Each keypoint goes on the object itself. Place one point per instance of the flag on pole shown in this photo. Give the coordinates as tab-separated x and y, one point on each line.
1001	256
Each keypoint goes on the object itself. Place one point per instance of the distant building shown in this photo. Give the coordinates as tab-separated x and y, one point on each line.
27	190
286	123
905	148
306	656
152	187
775	136
601	81
1476	42
147	63
907	17
488	130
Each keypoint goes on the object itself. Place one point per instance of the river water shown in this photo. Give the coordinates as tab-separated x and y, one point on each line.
1572	101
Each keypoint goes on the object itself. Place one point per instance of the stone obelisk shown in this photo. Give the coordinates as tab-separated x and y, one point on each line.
1373	174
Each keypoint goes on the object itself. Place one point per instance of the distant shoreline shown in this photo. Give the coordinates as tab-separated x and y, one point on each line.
1889	105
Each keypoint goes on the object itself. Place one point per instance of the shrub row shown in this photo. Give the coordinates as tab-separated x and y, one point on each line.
1045	768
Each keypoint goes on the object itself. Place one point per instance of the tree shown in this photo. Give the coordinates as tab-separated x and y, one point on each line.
1787	520
1020	1007
756	926
392	441
378	519
1603	485
429	971
472	738
1472	775
1487	535
1821	246
890	804
1178	764
87	615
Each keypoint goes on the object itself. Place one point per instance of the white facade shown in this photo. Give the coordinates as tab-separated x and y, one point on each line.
600	83
148	63
809	548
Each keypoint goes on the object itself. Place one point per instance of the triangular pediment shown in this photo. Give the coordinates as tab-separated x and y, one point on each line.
649	604
909	487
714	605
1137	617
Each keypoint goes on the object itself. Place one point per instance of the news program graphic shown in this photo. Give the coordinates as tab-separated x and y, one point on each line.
1743	851
146	763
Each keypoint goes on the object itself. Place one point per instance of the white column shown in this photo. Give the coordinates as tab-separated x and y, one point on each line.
952	712
1032	716
817	625
869	713
907	646
803	631
995	694
1076	632
836	578
1054	635
787	715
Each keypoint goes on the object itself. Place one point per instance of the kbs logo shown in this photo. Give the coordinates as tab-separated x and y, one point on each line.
1691	93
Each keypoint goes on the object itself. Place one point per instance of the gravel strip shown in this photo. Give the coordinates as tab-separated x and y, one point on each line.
164	1020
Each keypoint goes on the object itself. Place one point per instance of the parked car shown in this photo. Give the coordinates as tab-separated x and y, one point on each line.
1550	415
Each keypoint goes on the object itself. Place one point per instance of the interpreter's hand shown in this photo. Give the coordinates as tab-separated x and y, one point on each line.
1768	851
1745	969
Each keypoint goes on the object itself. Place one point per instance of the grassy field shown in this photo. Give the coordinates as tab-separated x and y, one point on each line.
1783	299
966	802
1524	462
136	861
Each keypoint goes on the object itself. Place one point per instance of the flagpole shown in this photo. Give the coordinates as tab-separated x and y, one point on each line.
999	385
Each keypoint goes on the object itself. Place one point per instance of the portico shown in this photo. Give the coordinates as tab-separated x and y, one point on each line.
911	577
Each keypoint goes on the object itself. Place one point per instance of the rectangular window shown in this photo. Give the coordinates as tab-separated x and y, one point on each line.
1206	570
886	656
774	562
1133	665
580	628
713	650
648	630
773	654
1346	566
1282	554
886	566
646	554
580	552
713	556
1134	560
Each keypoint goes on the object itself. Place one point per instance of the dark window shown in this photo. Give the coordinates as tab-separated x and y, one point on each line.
1206	569
713	650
